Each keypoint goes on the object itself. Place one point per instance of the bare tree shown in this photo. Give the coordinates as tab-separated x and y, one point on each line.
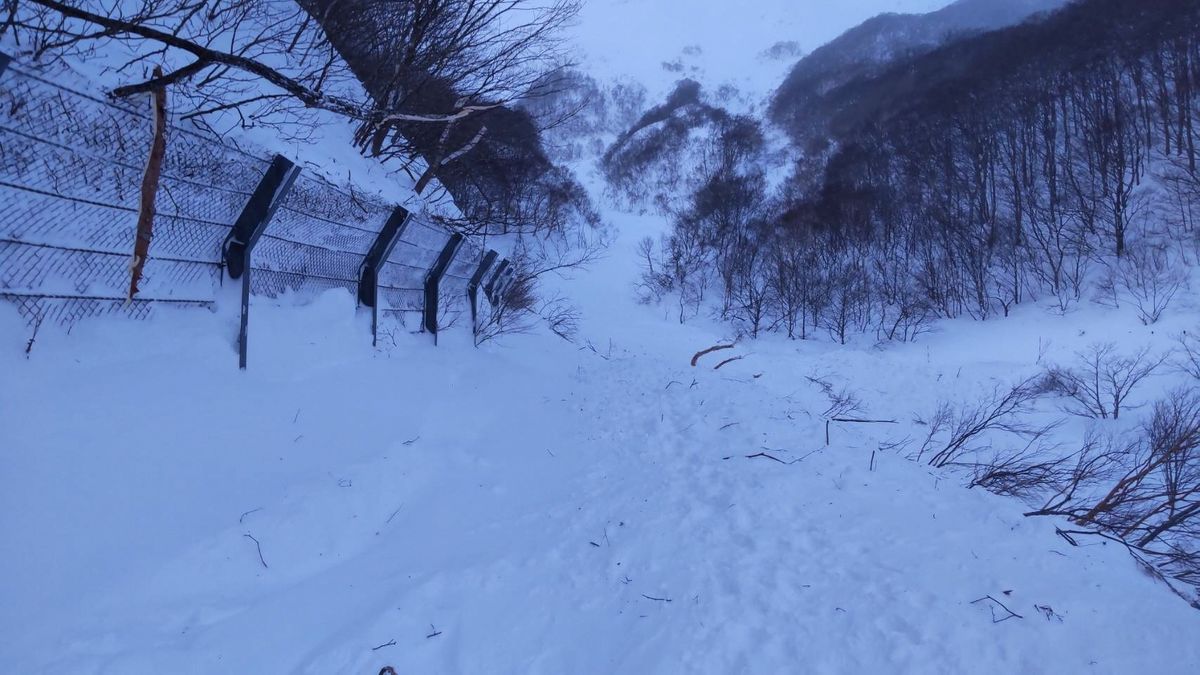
1101	383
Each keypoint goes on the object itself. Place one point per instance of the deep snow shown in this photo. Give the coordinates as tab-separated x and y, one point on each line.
536	506
532	506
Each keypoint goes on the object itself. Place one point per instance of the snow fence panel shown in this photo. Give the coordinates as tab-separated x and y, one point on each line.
71	166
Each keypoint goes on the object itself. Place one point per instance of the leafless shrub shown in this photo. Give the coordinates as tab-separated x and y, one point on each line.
561	317
841	401
955	432
1101	383
1147	274
513	314
1151	494
1025	473
1189	354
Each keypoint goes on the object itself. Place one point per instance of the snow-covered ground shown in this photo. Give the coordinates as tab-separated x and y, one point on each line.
538	506
532	506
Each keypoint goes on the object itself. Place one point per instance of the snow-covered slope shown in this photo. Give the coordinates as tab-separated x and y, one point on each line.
534	507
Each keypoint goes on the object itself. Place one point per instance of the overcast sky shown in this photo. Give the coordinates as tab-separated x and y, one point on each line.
634	37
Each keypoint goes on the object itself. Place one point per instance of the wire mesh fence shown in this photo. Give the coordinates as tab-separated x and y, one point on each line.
71	166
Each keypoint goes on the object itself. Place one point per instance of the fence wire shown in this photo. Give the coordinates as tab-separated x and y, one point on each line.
71	166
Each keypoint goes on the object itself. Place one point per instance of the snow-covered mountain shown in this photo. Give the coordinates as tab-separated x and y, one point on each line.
862	50
747	45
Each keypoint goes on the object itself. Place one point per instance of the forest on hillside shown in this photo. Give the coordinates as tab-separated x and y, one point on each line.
1054	161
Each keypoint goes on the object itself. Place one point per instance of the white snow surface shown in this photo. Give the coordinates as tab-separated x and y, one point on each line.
531	506
538	506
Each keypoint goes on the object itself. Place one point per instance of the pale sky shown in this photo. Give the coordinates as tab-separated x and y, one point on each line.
632	38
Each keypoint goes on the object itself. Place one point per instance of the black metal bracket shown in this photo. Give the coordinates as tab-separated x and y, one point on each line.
501	279
368	274
433	281
257	213
250	225
489	259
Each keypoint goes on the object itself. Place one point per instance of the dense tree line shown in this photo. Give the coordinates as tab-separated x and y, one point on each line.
1052	160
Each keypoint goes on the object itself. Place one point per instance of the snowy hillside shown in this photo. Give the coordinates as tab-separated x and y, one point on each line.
649	495
536	508
656	42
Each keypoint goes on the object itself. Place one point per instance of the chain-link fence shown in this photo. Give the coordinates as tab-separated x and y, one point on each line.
71	166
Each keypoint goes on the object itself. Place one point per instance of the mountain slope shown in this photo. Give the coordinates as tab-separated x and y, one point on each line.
868	48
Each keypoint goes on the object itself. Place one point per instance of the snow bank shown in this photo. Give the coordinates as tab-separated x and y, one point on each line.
531	507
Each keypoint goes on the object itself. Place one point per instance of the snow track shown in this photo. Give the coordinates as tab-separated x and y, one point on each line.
534	510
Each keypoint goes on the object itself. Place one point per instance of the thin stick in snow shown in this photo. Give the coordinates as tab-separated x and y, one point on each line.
258	546
243	516
736	358
770	457
705	352
390	643
1010	615
650	597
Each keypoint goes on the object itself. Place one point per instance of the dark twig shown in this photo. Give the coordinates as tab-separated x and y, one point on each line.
1011	614
434	632
731	424
389	643
258	546
736	358
717	348
770	457
243	516
394	513
650	597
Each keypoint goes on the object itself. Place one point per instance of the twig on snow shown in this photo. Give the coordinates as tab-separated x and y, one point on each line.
705	352
243	516
771	457
389	643
1010	615
257	545
434	632
650	597
731	360
394	513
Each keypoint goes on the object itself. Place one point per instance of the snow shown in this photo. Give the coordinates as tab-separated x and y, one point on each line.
538	506
520	507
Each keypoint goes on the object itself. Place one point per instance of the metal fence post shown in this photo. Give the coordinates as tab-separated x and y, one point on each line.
251	223
433	281
489	289
368	275
489	259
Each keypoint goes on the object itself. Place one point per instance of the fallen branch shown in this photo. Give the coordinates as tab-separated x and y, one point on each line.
650	597
770	457
390	643
258	546
1011	614
736	358
703	353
